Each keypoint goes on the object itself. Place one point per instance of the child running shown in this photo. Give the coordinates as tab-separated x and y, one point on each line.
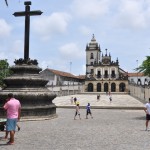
88	111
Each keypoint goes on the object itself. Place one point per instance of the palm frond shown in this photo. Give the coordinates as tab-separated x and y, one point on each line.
6	2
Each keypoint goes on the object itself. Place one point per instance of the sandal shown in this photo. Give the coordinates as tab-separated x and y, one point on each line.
10	143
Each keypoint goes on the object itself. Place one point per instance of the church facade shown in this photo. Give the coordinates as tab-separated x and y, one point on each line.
103	74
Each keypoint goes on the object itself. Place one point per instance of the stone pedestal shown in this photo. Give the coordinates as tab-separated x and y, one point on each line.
29	88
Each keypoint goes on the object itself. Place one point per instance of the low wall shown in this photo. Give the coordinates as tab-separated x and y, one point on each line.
140	92
66	90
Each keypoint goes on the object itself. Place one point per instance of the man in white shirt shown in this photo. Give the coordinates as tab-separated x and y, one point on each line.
147	111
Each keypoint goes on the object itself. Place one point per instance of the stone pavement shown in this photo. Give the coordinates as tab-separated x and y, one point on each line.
123	101
110	129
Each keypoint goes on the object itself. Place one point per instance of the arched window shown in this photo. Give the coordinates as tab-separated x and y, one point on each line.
106	74
90	87
113	74
98	74
139	82
113	87
98	87
122	87
105	87
92	57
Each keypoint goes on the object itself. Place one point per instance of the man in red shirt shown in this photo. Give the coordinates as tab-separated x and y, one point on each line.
13	108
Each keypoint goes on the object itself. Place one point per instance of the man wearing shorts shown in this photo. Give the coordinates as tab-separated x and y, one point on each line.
147	111
13	108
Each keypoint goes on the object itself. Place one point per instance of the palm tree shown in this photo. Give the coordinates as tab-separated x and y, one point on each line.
145	67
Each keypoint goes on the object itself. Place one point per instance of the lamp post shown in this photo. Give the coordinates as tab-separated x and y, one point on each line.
137	71
70	66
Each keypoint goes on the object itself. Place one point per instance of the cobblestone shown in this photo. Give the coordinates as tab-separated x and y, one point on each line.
110	129
117	101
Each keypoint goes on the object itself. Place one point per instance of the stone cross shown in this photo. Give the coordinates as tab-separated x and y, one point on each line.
27	13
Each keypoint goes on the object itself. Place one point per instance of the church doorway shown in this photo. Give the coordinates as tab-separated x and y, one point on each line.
105	87
122	87
98	87
113	87
90	87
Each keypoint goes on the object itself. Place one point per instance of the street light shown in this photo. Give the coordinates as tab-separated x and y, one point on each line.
70	66
137	71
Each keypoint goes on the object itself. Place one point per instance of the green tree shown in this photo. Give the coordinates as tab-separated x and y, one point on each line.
4	71
145	67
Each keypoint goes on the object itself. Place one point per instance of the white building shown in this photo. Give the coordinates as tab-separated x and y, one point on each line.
103	74
60	78
138	78
63	83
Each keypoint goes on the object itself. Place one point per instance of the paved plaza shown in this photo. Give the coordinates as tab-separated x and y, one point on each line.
118	101
110	129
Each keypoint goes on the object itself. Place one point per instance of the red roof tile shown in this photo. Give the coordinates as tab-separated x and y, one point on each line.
136	74
66	74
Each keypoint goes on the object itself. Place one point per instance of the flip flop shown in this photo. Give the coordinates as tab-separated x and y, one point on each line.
10	143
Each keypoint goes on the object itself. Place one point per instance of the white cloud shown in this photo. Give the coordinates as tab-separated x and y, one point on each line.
17	46
132	14
83	70
5	28
47	26
56	64
90	8
3	55
71	51
85	30
46	64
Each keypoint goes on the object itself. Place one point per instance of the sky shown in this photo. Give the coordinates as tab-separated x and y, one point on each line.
59	36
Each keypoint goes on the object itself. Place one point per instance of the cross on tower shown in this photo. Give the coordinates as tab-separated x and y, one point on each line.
93	36
27	13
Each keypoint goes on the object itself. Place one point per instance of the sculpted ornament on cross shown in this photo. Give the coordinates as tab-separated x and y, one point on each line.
27	13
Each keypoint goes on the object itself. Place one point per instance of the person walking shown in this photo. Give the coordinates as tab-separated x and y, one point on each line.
75	100
88	111
147	111
110	98
98	97
13	108
77	112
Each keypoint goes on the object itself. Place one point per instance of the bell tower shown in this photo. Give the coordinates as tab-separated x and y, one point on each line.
93	51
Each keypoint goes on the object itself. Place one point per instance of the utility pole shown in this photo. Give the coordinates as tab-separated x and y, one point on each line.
70	66
137	71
